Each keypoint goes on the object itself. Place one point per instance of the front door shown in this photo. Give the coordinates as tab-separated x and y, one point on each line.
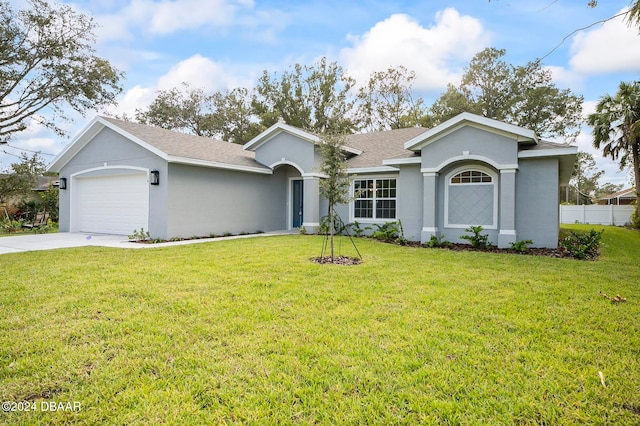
296	203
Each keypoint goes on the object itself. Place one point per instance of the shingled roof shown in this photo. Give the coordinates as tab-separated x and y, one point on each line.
378	146
370	149
186	146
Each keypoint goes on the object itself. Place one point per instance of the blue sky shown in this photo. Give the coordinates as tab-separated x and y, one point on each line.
222	44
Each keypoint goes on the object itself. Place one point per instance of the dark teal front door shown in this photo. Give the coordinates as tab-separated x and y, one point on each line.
297	196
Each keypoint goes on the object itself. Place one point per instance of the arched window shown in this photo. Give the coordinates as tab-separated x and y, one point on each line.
471	198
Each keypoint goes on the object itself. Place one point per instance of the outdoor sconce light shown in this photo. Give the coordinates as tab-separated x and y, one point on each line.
62	184
154	177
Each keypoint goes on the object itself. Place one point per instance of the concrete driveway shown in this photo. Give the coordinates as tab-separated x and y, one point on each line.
76	239
61	240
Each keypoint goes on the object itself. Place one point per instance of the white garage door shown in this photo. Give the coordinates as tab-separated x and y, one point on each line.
112	204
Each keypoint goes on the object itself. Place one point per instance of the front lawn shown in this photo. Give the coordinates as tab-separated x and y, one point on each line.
251	331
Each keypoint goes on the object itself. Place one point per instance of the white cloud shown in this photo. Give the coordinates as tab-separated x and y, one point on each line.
39	144
135	98
169	16
198	71
612	47
565	77
436	54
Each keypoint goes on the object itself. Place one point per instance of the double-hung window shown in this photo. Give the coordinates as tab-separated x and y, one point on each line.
374	199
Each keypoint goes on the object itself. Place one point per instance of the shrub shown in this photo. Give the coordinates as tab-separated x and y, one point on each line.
437	241
583	245
358	231
10	226
140	235
477	240
50	202
635	220
521	246
390	232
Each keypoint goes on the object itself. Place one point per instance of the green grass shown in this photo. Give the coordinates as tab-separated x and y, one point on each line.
251	332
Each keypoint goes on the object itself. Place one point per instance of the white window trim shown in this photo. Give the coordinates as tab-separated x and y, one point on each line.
447	184
352	200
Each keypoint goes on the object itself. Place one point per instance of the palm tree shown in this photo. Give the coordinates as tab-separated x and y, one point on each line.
616	128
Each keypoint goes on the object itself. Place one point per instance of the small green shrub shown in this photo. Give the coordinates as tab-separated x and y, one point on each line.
44	229
583	245
521	246
302	230
358	230
140	235
437	242
477	240
11	226
390	232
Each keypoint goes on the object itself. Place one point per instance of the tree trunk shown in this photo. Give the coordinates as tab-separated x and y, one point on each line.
635	153
331	227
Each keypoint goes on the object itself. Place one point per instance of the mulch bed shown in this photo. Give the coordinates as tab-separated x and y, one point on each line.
532	251
337	260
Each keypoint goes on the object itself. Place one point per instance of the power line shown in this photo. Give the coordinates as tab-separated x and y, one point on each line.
581	29
29	150
13	155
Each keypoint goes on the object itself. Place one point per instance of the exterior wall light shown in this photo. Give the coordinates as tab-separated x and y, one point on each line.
62	183
154	177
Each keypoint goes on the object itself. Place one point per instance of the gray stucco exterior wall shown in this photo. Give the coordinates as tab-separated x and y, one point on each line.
203	201
409	204
286	148
537	201
477	142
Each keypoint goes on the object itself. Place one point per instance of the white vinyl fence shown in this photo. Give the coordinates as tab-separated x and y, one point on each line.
597	215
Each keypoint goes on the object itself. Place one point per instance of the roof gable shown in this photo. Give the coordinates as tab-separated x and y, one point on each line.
171	146
279	128
520	134
274	131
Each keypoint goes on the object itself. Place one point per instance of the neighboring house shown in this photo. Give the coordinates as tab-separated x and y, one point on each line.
470	170
620	198
13	202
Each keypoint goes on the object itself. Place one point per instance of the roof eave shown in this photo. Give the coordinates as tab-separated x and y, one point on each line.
219	165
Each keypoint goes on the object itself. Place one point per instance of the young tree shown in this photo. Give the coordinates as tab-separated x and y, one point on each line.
616	129
386	101
315	97
47	64
22	177
335	187
522	95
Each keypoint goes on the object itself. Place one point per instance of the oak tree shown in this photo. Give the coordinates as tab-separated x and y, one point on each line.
48	67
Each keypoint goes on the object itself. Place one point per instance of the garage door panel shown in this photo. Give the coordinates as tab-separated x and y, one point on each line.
112	204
